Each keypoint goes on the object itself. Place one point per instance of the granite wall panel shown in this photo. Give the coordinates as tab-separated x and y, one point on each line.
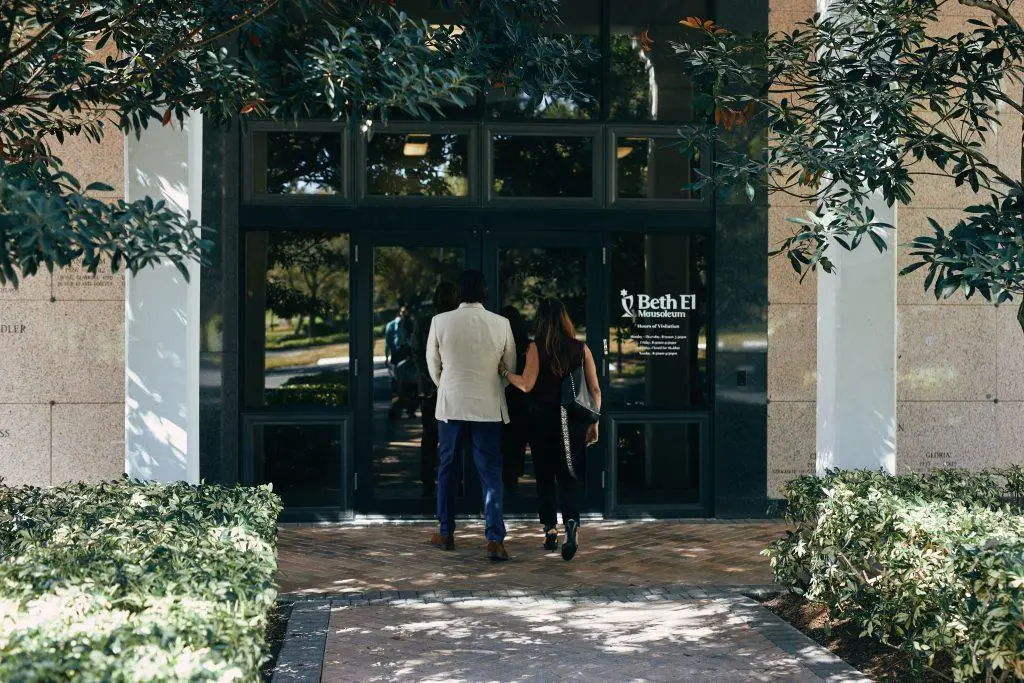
62	356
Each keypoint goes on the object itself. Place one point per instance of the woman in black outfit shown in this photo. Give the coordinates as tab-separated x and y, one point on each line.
554	353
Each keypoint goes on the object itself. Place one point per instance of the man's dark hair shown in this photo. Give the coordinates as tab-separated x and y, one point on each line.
472	287
445	297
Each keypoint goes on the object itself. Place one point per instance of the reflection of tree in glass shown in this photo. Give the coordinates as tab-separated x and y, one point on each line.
655	168
529	276
582	105
303	163
307	279
630	84
440	171
409	275
543	166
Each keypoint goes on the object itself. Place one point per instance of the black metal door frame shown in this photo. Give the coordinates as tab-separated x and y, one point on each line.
366	241
592	241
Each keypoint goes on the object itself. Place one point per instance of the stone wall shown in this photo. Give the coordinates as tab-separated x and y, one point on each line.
792	324
960	363
62	357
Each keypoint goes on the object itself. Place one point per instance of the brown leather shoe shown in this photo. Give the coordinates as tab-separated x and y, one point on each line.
443	542
496	551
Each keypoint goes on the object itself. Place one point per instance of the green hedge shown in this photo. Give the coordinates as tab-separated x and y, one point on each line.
932	564
130	581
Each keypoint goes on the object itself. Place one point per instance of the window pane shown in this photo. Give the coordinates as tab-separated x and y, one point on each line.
287	163
405	438
303	462
658	309
297	319
647	81
657	463
581	20
654	168
543	166
417	165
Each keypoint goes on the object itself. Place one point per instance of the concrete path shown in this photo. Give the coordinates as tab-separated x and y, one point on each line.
399	610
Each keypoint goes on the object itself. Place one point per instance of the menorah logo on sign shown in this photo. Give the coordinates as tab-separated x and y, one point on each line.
664	306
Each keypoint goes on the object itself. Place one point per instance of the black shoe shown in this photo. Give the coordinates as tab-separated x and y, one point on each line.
571	540
551	539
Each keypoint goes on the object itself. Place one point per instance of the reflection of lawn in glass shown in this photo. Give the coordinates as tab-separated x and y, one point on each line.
305	358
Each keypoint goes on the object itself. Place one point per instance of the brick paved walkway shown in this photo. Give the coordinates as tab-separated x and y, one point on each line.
335	560
652	601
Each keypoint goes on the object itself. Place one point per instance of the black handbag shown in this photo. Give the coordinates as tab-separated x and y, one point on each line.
577	404
576	398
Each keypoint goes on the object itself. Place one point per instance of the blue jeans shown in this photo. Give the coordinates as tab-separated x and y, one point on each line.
486	439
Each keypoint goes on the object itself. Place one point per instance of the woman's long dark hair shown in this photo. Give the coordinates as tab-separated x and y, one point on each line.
554	329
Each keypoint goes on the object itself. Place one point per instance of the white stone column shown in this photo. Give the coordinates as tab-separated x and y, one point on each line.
856	411
162	315
856	401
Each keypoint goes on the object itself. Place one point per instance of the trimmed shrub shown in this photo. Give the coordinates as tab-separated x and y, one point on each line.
932	564
131	581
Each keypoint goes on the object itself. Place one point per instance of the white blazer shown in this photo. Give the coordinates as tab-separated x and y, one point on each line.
464	350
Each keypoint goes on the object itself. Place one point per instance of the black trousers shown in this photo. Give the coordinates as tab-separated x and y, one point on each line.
428	442
556	488
514	438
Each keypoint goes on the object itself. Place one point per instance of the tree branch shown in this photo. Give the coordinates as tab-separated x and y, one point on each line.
35	40
994	8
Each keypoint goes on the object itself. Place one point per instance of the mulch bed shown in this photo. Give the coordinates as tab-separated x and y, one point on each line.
277	625
879	661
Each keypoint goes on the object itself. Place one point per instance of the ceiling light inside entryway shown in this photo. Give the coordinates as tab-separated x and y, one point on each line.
416	145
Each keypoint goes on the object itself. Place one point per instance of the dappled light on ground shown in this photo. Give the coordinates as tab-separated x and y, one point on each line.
337	560
629	638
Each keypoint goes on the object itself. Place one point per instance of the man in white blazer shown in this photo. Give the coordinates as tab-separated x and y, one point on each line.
465	350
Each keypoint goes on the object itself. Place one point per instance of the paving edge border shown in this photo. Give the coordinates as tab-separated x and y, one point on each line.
302	653
681	591
301	659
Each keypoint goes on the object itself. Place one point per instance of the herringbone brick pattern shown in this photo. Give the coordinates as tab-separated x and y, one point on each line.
335	560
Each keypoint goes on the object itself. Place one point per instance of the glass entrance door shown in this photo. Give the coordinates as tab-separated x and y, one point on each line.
526	268
398	440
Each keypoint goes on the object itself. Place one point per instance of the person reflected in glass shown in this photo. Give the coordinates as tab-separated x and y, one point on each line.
554	353
445	299
514	436
398	357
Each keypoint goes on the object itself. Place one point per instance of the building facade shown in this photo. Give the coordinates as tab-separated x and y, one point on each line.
289	356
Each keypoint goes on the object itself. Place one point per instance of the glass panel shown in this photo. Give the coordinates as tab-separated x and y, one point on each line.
297	319
657	463
581	19
658	313
542	166
654	168
303	462
404	278
417	165
526	276
647	83
287	163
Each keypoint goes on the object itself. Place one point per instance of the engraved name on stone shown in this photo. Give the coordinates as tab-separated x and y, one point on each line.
73	279
12	328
